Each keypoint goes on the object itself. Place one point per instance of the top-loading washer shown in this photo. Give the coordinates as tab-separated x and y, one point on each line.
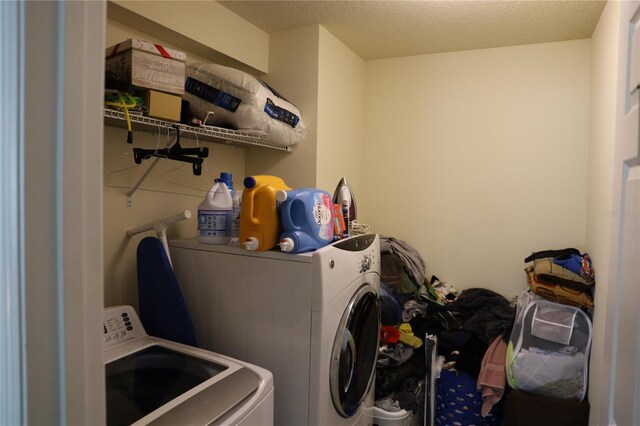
159	382
312	319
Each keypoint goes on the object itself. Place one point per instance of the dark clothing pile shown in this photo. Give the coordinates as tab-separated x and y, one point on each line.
467	326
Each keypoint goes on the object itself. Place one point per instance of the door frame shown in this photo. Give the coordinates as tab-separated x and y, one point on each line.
60	76
625	157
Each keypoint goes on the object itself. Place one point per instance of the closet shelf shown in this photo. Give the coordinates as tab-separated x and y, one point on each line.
116	118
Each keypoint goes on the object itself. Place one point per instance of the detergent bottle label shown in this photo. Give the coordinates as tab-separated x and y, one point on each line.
322	206
212	223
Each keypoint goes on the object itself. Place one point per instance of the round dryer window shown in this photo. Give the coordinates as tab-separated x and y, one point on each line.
353	358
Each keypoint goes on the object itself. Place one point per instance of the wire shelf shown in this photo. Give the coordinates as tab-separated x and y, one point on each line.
117	118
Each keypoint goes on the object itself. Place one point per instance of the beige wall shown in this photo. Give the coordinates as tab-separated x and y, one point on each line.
169	189
604	71
203	27
325	80
475	158
341	90
117	32
293	71
478	158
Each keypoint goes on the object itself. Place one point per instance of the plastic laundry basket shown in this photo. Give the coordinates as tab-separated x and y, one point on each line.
397	418
458	402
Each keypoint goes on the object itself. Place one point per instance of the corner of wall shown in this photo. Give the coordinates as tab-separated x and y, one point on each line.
293	71
341	93
603	105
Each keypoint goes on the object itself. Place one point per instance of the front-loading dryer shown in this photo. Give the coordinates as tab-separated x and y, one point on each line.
312	319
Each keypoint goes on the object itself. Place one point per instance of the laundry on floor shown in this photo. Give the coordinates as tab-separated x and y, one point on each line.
476	358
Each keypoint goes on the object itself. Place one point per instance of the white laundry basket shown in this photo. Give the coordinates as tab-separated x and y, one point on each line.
388	418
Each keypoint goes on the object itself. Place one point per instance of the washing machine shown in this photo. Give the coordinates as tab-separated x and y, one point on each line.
312	319
156	381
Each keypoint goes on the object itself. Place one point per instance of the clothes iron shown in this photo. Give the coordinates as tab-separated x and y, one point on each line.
344	197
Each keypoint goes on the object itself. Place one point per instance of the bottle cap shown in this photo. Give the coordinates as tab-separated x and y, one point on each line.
226	178
286	244
249	182
251	243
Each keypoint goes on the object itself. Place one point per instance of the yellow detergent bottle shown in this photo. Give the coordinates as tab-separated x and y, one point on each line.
259	218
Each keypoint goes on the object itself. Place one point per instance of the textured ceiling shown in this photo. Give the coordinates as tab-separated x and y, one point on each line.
384	29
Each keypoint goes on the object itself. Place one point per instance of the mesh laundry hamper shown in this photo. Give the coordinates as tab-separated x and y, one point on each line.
458	402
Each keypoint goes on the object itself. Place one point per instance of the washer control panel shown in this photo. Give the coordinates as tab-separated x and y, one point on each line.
120	324
365	251
357	243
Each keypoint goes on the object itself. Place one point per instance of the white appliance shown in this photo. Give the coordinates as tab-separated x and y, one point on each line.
312	319
151	380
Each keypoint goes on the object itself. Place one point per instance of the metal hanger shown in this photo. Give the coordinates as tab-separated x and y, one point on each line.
175	152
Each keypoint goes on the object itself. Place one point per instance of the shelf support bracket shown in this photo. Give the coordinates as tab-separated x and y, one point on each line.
142	178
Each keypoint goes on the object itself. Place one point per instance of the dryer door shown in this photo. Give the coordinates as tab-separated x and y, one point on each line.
355	349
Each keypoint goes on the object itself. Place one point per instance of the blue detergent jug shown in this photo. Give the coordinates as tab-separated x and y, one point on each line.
306	218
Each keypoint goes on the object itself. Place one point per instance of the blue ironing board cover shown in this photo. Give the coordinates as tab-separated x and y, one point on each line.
163	311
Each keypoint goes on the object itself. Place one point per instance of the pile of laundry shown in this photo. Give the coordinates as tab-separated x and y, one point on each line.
468	326
401	368
473	331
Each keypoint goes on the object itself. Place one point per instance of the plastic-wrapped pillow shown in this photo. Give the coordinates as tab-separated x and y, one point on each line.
241	101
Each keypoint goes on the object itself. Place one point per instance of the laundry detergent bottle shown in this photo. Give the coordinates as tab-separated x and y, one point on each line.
306	217
213	215
259	219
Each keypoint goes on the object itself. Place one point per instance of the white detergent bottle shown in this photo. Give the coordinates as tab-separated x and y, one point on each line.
213	213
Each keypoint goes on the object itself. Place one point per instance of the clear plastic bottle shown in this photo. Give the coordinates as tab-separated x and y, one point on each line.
233	223
213	215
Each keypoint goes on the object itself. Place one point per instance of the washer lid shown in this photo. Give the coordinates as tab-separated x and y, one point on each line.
150	379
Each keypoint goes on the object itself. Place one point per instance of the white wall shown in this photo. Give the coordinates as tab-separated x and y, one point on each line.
341	91
478	158
604	71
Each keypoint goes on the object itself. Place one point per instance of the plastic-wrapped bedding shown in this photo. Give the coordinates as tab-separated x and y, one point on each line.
241	101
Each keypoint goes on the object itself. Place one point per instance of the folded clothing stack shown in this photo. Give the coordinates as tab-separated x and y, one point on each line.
563	276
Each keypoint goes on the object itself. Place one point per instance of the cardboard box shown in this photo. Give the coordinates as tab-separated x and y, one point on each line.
162	105
147	65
